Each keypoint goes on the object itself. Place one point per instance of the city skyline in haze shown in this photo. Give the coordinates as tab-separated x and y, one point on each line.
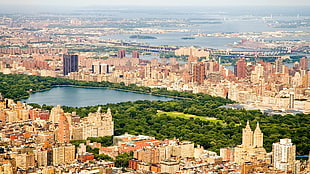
156	3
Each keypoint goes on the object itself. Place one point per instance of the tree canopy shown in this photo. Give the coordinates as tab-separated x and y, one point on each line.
140	117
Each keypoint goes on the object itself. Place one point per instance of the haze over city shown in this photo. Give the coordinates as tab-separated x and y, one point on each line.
158	2
136	86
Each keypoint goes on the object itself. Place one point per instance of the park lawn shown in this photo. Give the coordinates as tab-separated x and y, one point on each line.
187	116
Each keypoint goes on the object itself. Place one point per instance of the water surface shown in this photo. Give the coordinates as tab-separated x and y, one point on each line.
79	97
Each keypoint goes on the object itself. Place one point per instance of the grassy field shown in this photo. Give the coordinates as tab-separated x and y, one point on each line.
187	116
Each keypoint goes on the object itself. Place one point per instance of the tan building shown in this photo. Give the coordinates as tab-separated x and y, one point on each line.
63	154
161	153
192	50
6	168
43	157
55	114
183	149
49	170
25	160
169	166
252	146
227	153
95	125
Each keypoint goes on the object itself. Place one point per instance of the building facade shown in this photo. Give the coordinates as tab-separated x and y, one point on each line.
283	155
97	124
70	64
252	146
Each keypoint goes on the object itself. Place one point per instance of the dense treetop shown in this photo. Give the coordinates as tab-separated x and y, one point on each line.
141	117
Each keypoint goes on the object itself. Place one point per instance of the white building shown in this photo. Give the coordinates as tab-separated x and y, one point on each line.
283	155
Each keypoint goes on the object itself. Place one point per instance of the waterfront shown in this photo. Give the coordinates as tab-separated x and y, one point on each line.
173	25
79	97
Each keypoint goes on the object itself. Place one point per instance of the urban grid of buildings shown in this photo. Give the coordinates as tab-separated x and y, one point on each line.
273	88
38	141
33	48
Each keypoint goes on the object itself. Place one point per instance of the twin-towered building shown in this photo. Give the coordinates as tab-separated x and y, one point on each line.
47	144
251	152
251	147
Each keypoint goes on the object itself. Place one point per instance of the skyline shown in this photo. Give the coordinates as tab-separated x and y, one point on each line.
81	3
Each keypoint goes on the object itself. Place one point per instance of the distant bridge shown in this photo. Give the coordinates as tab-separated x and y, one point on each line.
165	48
141	46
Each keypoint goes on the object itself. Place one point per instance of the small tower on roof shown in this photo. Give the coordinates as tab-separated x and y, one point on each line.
258	137
247	136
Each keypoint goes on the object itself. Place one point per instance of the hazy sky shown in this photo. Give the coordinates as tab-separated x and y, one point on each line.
156	2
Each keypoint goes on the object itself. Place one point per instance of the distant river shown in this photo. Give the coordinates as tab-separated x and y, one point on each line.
79	96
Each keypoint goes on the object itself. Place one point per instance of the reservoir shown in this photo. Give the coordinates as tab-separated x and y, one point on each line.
80	97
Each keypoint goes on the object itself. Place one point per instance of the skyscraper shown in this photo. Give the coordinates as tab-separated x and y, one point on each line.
283	155
70	64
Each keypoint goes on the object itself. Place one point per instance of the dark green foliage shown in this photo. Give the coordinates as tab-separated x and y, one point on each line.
76	143
103	157
140	117
105	141
123	159
92	150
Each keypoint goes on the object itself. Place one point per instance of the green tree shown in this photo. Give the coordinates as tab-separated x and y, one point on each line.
122	160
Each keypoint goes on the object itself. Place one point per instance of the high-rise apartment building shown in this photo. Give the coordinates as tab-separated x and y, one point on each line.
279	66
240	68
100	68
63	133
70	64
291	100
191	60
303	63
199	73
283	155
258	137
252	145
121	53
250	139
25	160
227	153
55	114
63	154
97	124
41	157
135	54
